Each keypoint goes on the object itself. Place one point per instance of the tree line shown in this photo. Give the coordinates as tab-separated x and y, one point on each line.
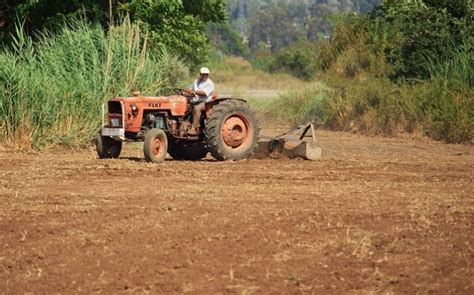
175	24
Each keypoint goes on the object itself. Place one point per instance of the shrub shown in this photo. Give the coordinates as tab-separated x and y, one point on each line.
380	106
299	59
227	40
423	30
449	106
263	60
372	105
302	106
449	113
51	92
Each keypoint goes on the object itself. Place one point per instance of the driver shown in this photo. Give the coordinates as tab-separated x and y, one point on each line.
202	90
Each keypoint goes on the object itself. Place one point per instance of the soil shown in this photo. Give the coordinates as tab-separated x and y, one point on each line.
373	215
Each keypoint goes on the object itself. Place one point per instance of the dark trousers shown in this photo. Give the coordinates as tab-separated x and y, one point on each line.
197	111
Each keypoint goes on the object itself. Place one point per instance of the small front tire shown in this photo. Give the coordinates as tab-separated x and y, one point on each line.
155	145
107	147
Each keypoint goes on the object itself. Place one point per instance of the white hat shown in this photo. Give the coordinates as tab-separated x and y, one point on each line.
204	70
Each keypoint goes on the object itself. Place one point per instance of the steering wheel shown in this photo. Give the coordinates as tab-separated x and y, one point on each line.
182	92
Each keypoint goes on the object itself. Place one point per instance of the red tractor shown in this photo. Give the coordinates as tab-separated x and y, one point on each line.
229	128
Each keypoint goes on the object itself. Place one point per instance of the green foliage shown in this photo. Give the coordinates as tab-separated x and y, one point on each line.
356	51
301	106
51	90
50	14
178	25
226	40
380	106
275	27
427	29
458	71
449	106
263	60
370	61
374	106
449	113
282	21
175	24
299	59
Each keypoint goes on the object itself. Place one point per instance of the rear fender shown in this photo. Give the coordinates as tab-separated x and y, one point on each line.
210	105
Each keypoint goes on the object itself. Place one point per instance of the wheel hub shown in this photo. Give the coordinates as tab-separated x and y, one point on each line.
156	148
234	131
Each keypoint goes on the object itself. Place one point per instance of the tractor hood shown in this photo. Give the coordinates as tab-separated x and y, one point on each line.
132	109
175	105
151	99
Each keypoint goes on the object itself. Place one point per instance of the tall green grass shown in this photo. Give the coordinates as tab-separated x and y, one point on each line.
51	90
449	106
299	107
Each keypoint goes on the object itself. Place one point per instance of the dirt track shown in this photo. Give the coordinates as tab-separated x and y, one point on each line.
375	215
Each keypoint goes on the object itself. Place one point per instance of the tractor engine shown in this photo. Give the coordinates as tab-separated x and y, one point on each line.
154	120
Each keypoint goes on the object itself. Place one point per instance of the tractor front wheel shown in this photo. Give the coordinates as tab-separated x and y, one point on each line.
155	145
107	147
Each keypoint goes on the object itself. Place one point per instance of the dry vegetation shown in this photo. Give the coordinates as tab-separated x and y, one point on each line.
375	215
235	76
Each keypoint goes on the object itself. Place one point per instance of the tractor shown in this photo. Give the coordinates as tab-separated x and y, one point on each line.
229	127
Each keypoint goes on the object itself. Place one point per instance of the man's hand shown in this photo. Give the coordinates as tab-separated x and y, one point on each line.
200	92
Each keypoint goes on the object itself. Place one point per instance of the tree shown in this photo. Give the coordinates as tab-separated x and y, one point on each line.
274	26
428	29
227	40
177	24
310	19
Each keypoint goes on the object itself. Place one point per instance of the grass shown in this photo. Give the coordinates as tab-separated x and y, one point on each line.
236	77
51	90
299	107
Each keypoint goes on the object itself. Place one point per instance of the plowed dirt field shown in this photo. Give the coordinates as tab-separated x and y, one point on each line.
374	215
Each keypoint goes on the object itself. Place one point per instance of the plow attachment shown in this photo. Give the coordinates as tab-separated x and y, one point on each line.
299	142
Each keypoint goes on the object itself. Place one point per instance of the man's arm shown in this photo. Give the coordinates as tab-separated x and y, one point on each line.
208	89
191	89
200	92
205	91
194	92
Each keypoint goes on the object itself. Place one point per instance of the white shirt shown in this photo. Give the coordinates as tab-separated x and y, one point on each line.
206	86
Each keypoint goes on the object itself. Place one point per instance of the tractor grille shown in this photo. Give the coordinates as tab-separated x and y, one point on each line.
115	114
115	107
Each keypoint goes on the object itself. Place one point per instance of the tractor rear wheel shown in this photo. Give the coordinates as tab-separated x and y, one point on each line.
190	151
107	147
231	131
155	145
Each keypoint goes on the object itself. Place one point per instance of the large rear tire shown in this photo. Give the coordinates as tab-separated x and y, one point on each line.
190	151
107	147
155	145
231	131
